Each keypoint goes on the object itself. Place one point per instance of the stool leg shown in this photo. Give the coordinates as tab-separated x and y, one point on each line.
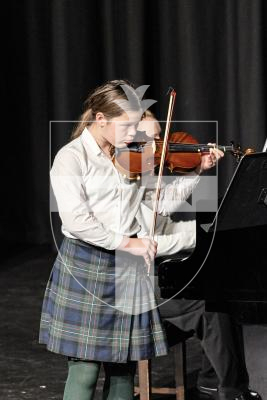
144	372
180	370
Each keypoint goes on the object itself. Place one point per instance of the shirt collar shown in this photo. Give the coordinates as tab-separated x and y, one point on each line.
89	140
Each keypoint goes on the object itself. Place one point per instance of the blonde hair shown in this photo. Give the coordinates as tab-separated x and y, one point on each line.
148	114
103	99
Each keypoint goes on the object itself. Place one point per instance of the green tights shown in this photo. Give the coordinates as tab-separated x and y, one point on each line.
82	380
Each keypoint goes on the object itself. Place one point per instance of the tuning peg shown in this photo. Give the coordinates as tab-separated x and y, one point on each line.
236	150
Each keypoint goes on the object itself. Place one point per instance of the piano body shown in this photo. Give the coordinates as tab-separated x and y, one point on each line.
228	267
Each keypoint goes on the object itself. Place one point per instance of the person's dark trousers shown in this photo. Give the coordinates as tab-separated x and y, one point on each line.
207	377
221	340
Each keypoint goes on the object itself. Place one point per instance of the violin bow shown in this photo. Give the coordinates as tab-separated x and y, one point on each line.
161	166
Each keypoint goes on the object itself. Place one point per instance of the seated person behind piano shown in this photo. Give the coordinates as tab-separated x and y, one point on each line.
223	375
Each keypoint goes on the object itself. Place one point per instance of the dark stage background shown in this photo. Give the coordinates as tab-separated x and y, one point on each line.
212	52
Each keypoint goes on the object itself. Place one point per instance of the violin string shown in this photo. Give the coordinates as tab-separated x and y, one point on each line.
198	146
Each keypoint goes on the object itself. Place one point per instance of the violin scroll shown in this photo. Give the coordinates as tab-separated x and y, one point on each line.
238	153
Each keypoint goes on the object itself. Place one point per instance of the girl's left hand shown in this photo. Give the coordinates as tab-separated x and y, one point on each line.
209	160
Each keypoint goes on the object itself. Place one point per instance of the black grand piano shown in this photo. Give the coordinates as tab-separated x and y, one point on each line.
228	266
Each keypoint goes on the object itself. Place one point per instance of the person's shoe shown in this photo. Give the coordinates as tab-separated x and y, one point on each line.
212	393
249	395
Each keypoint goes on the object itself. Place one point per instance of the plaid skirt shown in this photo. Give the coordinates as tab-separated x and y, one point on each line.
100	305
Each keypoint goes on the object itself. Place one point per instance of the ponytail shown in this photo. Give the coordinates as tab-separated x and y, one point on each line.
85	120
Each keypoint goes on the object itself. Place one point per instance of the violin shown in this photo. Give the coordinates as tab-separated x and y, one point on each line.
183	155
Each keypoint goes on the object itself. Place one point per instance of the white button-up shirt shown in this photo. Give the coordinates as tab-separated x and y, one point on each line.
95	202
171	236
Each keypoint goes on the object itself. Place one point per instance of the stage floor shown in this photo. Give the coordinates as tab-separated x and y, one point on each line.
28	371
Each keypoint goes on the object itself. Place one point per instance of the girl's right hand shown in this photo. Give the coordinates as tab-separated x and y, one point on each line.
144	247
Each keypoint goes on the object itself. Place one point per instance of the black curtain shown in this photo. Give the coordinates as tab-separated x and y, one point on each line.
212	52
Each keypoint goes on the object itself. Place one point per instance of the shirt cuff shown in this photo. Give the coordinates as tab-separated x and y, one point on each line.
114	242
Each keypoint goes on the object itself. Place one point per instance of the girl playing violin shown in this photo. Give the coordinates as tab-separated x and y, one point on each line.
98	305
95	307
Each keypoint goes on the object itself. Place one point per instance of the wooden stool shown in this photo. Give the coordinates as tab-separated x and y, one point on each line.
145	388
